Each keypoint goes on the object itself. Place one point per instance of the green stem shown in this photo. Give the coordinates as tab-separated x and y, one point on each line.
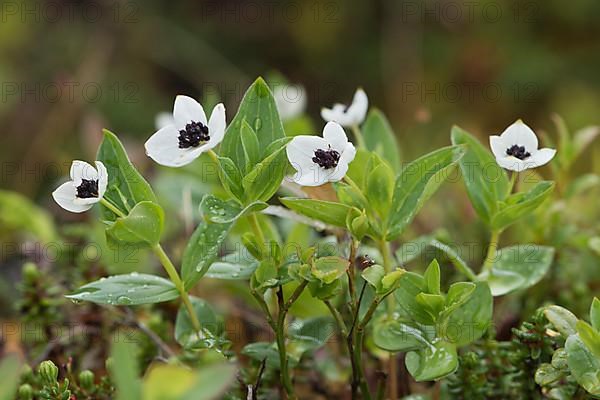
213	156
360	141
112	207
174	276
255	226
491	252
286	381
354	186
511	183
169	268
338	318
386	253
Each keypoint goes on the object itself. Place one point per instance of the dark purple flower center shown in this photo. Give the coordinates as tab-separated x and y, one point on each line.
194	134
326	158
87	189
518	151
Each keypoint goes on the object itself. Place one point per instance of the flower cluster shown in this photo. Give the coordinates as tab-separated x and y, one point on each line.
187	133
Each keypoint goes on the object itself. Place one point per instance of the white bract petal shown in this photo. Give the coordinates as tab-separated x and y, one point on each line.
320	160
86	187
516	149
187	110
290	100
178	144
352	115
163	119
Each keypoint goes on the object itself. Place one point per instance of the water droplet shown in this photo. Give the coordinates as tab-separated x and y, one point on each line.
257	124
124	300
134	274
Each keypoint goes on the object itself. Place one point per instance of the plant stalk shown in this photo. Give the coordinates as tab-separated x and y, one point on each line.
384	247
490	257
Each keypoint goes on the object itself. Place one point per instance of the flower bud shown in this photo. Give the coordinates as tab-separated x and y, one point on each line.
30	272
357	223
48	372
86	379
25	392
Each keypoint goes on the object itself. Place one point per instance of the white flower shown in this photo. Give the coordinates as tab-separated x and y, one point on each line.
352	115
86	187
516	149
290	100
188	135
318	160
163	119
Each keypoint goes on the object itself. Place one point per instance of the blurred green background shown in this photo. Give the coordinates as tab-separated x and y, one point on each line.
69	68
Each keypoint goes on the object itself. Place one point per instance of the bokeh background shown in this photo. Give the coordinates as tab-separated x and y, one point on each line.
70	68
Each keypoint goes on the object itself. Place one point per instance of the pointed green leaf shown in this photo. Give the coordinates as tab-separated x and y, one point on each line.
142	226
394	335
432	277
231	178
589	336
485	181
416	184
126	186
264	179
519	205
595	313
327	211
380	138
126	290
380	187
259	110
250	146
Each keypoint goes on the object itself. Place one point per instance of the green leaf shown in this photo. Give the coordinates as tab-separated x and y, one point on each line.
396	335
264	179
410	285
263	351
224	212
212	382
203	247
518	267
563	320
234	266
374	274
231	178
258	109
380	187
126	290
250	146
432	277
310	334
519	205
589	336
124	370
485	181
327	211
416	184
595	313
210	324
379	137
328	269
432	362
142	226
584	367
358	168
467	321
126	186
10	371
